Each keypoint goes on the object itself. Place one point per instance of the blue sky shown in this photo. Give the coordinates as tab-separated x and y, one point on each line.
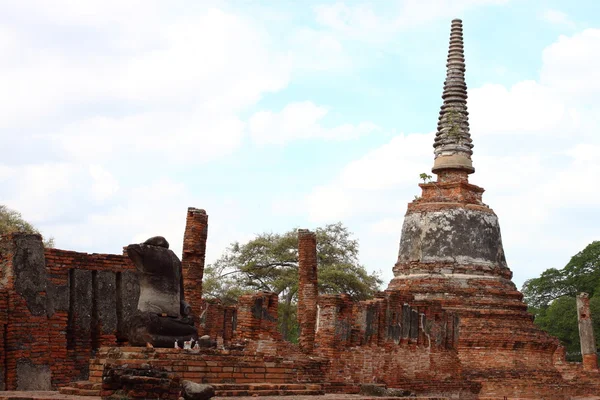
272	115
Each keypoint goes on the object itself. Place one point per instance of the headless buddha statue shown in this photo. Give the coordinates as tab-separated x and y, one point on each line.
163	316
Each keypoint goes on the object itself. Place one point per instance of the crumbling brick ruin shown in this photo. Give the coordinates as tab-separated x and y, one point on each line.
451	324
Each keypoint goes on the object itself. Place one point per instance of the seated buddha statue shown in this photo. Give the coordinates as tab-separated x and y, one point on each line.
163	317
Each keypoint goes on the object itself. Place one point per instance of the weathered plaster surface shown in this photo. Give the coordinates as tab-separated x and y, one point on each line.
31	376
30	272
458	235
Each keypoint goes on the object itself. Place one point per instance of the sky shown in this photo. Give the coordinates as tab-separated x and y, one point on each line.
273	115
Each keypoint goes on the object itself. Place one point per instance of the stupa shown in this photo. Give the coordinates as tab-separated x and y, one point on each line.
451	251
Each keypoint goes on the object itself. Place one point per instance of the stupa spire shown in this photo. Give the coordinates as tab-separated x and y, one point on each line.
453	144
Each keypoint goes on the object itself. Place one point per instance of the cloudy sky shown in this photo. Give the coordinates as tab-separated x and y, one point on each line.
119	114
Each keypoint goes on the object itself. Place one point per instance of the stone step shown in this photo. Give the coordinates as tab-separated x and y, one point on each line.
73	391
143	353
268	389
88	388
261	393
88	385
228	361
194	361
208	371
267	386
40	395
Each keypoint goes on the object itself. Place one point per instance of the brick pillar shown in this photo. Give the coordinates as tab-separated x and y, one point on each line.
586	333
308	291
194	253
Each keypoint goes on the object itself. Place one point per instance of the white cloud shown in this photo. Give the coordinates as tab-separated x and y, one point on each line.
398	162
173	137
557	17
570	65
105	185
180	88
301	121
526	107
41	192
376	185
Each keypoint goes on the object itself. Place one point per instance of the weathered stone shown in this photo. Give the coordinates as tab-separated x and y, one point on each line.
453	144
32	377
105	297
163	315
160	279
138	380
458	235
157	241
30	273
205	342
369	389
128	295
196	391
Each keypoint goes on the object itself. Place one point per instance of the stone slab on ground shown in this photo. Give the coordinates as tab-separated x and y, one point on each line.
42	395
329	396
332	396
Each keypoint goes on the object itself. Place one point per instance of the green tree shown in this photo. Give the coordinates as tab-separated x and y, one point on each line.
560	320
270	262
581	274
551	297
11	221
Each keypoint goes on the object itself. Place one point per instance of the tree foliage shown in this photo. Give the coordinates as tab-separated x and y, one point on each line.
581	274
560	320
270	262
551	297
12	221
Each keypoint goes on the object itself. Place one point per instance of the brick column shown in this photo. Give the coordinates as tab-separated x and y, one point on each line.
586	333
194	253
308	291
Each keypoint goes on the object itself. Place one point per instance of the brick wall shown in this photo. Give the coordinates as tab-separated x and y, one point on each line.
93	301
71	304
217	321
257	316
389	318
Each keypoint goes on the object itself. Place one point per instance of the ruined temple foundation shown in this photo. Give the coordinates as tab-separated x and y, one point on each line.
451	324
